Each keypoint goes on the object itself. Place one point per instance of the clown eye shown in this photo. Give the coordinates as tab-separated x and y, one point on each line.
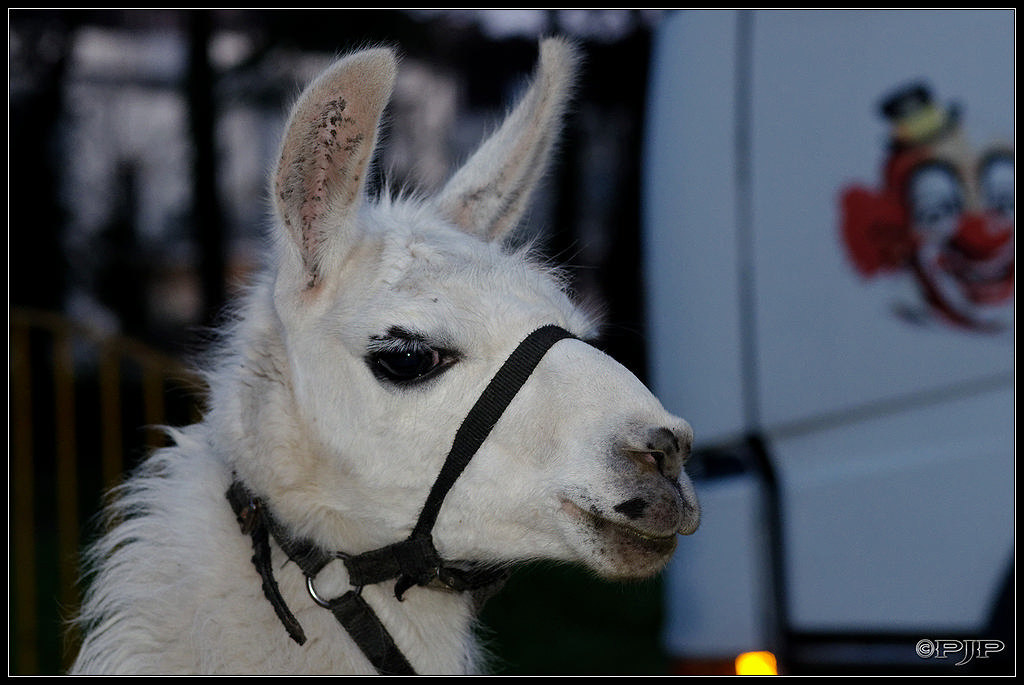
936	199
404	359
995	178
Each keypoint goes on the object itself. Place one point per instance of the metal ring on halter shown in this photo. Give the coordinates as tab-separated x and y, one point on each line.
320	601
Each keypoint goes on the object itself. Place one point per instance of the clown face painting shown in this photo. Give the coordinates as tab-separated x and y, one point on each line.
943	218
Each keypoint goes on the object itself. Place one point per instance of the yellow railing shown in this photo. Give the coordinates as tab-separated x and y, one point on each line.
77	397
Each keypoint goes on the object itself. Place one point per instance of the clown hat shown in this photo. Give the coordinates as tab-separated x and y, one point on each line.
915	117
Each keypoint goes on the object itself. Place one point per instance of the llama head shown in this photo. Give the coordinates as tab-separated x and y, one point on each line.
393	315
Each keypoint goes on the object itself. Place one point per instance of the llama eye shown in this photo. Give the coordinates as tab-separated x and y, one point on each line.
406	360
406	366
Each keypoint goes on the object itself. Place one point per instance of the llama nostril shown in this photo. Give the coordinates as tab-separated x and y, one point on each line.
659	459
669	449
647	459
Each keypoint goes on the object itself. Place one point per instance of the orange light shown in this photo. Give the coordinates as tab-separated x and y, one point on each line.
756	663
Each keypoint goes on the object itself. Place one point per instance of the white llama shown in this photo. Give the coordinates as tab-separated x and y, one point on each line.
350	373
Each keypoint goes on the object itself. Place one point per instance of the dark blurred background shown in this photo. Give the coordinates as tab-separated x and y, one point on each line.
139	143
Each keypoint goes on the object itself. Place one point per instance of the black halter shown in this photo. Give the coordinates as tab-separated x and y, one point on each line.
413	561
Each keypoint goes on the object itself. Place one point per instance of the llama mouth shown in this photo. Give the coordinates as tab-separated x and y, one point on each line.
623	537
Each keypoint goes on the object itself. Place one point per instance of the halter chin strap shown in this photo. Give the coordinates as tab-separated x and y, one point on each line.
413	561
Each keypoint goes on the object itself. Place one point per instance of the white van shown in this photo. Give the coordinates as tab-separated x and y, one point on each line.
829	261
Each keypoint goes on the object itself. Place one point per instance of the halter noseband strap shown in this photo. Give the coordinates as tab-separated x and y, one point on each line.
413	561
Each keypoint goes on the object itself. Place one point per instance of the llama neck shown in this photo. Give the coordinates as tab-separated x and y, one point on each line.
428	631
434	627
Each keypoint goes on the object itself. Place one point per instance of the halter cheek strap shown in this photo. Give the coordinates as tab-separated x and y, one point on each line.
413	561
417	554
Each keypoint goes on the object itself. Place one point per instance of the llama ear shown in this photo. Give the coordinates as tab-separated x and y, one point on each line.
327	147
489	194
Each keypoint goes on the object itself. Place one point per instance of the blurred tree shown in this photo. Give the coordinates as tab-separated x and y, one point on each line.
38	63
